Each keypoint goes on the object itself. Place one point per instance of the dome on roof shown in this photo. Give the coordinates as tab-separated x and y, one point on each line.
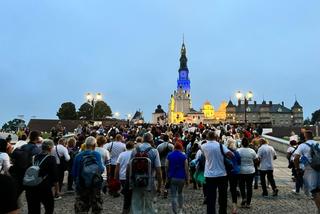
159	110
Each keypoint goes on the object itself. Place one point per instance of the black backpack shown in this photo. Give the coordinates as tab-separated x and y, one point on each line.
22	159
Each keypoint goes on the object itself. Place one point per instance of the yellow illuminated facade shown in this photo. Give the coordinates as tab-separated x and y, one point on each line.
221	114
208	110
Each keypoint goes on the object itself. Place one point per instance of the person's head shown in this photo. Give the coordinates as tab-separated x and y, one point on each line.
24	137
165	138
308	135
3	145
119	137
245	142
148	138
71	142
139	140
129	145
34	136
62	141
231	144
101	140
211	135
293	143
263	141
47	146
90	143
178	146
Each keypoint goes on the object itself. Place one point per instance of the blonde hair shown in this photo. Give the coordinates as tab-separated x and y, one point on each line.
231	144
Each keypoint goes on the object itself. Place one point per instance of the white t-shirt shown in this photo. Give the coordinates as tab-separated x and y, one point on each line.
63	152
123	161
266	154
105	155
247	156
214	166
4	163
115	148
304	150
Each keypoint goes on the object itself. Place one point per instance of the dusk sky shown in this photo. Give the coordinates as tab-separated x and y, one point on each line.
56	51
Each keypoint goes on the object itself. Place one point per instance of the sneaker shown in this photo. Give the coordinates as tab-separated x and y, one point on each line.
57	197
255	186
295	192
248	206
265	194
243	204
275	192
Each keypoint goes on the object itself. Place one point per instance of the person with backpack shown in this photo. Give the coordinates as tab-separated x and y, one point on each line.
87	172
234	175
164	149
39	179
177	167
308	153
22	159
143	168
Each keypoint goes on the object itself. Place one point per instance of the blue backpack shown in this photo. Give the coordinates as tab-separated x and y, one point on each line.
89	174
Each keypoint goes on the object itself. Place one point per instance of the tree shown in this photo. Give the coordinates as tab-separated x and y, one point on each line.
307	121
67	111
13	125
85	111
102	110
315	117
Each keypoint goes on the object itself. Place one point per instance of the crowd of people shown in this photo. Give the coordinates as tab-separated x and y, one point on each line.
141	162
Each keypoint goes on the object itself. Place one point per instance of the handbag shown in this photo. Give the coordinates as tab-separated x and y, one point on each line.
227	162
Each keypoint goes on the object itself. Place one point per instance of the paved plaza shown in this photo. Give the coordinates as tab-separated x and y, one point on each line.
286	202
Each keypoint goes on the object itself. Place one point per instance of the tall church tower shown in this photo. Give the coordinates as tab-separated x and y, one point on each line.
183	82
180	102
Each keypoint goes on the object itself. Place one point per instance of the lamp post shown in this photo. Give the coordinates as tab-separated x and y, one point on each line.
245	98
117	115
92	100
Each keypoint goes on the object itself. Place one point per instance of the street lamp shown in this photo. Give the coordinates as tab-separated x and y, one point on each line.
129	116
117	115
245	98
92	100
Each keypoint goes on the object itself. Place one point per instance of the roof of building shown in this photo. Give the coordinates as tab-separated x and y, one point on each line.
273	108
137	116
230	104
296	105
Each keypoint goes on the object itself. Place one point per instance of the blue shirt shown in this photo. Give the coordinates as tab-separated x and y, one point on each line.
78	158
177	165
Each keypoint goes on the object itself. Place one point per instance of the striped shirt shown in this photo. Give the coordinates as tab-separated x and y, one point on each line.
115	148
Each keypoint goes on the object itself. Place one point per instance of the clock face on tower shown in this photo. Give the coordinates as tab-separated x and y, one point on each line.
183	74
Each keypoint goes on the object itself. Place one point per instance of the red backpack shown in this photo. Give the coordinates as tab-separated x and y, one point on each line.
140	169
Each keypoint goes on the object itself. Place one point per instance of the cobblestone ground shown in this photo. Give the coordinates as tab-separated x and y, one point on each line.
286	202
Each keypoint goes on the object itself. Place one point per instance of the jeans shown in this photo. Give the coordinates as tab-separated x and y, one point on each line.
269	174
220	183
142	201
233	181
245	183
176	188
37	195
